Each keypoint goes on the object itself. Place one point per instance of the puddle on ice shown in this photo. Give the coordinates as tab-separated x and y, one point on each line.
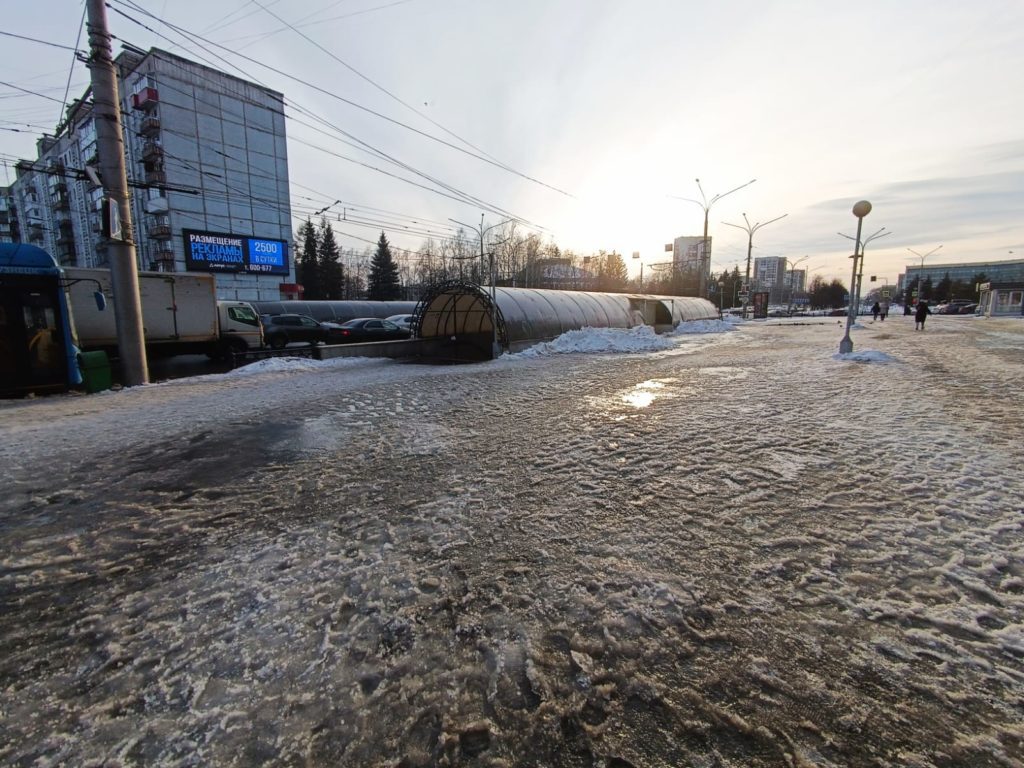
637	397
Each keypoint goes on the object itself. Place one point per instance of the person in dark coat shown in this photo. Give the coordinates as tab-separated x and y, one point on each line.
876	309
920	315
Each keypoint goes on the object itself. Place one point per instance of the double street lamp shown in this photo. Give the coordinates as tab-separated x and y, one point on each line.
705	256
920	274
860	272
495	350
750	229
792	269
860	210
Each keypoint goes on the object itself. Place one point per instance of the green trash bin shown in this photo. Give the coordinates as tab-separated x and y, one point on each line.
95	368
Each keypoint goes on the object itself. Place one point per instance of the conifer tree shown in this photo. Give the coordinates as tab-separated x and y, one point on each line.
383	283
307	262
332	274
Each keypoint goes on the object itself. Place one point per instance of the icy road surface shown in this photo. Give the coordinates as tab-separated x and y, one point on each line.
739	551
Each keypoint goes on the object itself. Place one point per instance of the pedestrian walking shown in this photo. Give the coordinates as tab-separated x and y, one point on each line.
876	310
885	310
908	309
920	315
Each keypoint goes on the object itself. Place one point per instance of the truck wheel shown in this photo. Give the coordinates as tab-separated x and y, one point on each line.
278	342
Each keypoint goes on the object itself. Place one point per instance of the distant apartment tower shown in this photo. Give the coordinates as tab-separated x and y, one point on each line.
796	280
207	167
769	272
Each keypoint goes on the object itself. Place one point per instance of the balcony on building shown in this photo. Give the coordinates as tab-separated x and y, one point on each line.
150	126
59	196
163	260
152	152
65	234
159	228
156	176
145	99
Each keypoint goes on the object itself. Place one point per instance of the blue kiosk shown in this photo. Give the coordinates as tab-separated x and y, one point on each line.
37	350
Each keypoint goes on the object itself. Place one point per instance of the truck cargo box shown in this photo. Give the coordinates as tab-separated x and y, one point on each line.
177	308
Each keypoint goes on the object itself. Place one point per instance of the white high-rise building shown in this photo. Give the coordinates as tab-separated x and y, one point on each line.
769	272
207	168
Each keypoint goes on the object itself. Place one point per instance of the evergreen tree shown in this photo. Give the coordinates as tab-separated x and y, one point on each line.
942	288
383	283
307	266
332	275
926	292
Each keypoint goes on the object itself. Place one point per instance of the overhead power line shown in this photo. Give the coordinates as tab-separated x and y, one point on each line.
483	157
42	42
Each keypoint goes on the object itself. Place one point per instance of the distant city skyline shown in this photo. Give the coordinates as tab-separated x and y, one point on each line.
913	106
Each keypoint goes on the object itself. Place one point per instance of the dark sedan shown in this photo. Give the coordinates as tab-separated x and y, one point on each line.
369	329
282	330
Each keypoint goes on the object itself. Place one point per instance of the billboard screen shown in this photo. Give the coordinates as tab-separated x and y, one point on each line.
218	252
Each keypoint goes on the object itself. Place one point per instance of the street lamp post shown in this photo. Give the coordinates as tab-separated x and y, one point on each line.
495	351
860	210
860	271
920	273
705	256
750	229
721	290
789	306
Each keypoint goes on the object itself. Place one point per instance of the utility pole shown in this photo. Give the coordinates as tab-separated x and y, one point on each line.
124	276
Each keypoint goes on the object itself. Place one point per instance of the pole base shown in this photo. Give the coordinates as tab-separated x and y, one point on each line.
846	346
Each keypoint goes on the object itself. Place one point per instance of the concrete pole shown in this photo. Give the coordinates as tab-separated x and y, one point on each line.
746	289
705	258
124	276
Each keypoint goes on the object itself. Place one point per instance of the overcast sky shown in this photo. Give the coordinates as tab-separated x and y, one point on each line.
916	106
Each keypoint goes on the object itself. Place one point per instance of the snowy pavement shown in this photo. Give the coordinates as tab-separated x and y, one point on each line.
730	549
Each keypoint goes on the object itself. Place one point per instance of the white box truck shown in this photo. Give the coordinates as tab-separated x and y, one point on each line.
180	314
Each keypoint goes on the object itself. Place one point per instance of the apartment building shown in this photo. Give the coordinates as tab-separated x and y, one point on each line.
207	166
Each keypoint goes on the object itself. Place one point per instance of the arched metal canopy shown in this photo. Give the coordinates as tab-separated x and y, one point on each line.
461	314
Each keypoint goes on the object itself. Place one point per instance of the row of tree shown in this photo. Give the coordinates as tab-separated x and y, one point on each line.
525	260
319	268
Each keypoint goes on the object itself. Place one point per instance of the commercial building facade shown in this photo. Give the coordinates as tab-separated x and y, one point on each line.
994	271
207	166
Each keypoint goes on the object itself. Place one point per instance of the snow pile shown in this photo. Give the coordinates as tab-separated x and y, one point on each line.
292	365
704	326
867	356
642	338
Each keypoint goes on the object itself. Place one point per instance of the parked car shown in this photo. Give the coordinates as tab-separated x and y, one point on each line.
955	307
839	312
370	329
282	330
968	309
402	321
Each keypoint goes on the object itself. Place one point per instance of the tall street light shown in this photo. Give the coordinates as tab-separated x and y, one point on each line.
705	256
789	306
750	229
860	272
860	210
480	230
920	274
495	351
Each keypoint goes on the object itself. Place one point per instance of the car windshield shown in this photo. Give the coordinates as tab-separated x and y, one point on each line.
353	324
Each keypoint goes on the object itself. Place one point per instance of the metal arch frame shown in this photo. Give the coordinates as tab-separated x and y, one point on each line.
455	288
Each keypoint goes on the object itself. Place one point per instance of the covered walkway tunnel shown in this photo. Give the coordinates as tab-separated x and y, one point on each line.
461	322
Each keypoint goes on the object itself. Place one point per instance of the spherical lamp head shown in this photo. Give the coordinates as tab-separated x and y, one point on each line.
861	209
